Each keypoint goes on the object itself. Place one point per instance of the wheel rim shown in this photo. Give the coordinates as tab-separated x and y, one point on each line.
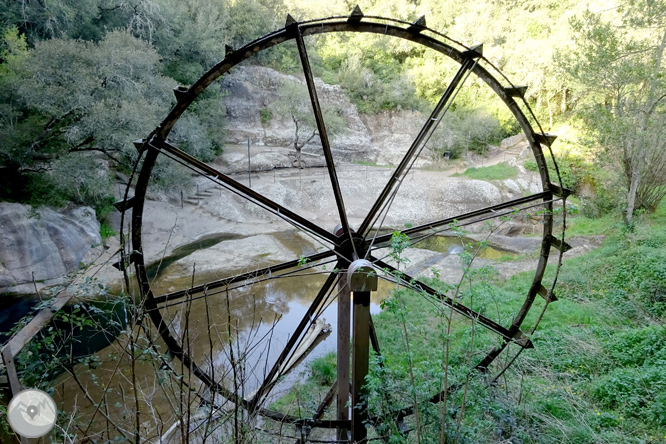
348	245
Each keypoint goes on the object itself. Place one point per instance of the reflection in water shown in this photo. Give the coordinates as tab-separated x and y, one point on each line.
263	317
254	320
456	245
203	242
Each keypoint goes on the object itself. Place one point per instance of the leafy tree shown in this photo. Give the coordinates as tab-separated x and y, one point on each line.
70	98
618	68
294	102
38	20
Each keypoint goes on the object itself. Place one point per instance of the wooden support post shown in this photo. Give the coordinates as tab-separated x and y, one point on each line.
344	326
12	376
14	383
362	279
360	364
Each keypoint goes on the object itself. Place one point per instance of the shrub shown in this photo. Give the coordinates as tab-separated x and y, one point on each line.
531	165
266	115
637	347
637	392
324	369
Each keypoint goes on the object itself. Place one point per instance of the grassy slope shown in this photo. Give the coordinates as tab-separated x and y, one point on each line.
498	171
597	373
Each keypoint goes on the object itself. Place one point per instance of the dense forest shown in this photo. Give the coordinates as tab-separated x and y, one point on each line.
80	80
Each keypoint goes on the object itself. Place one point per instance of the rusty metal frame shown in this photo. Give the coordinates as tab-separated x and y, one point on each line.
471	61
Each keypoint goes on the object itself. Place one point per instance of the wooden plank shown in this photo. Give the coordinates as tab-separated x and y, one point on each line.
560	245
516	91
328	399
344	325
8	361
356	16
16	343
360	363
546	294
20	339
124	205
558	190
418	25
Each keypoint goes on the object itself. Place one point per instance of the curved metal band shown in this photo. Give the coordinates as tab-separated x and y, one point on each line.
268	41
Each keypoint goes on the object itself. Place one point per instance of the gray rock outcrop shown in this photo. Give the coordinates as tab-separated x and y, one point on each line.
252	88
381	138
44	242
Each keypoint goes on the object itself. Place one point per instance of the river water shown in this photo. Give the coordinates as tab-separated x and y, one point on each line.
260	317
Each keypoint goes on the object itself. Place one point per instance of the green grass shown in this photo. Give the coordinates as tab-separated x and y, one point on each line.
106	230
580	225
500	171
595	374
373	164
304	397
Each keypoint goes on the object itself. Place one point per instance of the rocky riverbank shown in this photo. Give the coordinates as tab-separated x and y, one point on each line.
40	247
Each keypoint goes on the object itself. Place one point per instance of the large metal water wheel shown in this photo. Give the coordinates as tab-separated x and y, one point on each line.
345	245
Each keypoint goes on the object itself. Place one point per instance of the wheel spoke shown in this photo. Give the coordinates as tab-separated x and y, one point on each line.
323	135
326	402
240	277
381	240
373	338
420	141
272	375
415	284
244	191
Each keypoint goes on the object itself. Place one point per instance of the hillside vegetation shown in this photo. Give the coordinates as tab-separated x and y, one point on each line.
80	80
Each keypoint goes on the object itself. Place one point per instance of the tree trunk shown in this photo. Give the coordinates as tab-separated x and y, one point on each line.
637	149
631	196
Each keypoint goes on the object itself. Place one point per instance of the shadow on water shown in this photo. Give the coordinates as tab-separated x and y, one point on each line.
202	243
13	307
82	328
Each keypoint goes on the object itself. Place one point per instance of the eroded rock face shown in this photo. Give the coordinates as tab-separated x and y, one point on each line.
393	131
381	138
44	242
253	88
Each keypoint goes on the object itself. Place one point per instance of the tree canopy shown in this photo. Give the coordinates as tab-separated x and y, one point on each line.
82	79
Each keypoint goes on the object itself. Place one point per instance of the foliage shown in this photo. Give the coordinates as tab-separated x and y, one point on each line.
594	376
324	370
531	165
77	106
106	230
59	345
573	170
467	129
375	83
618	71
265	115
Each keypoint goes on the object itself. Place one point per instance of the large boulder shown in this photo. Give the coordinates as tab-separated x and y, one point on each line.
383	138
45	243
253	88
